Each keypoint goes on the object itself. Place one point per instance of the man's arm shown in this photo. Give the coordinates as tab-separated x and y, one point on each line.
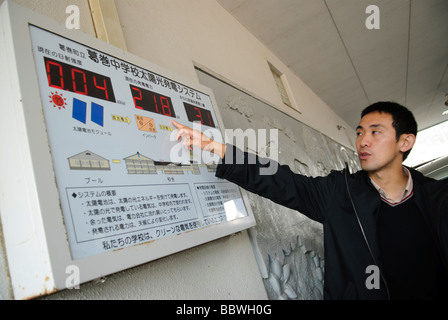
191	137
306	195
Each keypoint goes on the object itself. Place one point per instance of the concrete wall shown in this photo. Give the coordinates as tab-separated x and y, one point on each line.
180	35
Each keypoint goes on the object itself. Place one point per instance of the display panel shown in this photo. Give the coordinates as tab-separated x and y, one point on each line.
89	186
152	102
111	138
67	77
196	114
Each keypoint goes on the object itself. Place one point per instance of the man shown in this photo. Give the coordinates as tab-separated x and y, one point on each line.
385	218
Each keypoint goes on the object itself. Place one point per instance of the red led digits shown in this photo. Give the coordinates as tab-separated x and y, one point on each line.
195	113
166	106
199	114
155	103
55	74
82	84
103	88
66	77
152	102
137	97
210	121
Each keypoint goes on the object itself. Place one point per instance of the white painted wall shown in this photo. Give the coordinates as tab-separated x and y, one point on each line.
177	35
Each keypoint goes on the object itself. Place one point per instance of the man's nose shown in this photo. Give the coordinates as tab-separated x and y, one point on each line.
364	141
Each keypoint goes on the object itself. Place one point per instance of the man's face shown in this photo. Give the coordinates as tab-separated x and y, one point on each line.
376	142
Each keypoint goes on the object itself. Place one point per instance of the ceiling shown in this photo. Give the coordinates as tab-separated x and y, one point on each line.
326	43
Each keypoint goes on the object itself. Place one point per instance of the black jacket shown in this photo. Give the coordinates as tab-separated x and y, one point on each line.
346	204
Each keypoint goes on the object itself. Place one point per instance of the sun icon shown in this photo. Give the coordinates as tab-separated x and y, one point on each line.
58	100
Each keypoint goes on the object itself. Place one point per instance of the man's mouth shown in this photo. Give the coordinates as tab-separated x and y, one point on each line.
364	155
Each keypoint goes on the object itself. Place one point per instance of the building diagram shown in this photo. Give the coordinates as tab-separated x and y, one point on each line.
88	160
140	164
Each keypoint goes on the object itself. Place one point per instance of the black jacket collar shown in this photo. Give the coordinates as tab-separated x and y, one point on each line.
367	201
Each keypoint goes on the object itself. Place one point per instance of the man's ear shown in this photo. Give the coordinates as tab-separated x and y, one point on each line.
407	141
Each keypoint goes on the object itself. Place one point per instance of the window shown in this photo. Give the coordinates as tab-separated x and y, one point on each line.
279	80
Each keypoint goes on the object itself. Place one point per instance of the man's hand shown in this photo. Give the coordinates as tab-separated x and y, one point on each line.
191	137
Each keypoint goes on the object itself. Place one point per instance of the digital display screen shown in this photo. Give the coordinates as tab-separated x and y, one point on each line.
66	77
122	181
152	102
197	114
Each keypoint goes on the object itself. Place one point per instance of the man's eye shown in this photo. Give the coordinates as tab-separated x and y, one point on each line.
358	133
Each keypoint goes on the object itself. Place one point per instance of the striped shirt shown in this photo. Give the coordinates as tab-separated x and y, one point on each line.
407	193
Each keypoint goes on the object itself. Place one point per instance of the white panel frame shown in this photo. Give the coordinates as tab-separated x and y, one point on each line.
35	238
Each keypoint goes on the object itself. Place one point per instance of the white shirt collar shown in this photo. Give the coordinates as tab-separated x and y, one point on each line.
406	193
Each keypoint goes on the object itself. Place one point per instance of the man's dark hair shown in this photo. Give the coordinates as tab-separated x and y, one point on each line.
403	119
